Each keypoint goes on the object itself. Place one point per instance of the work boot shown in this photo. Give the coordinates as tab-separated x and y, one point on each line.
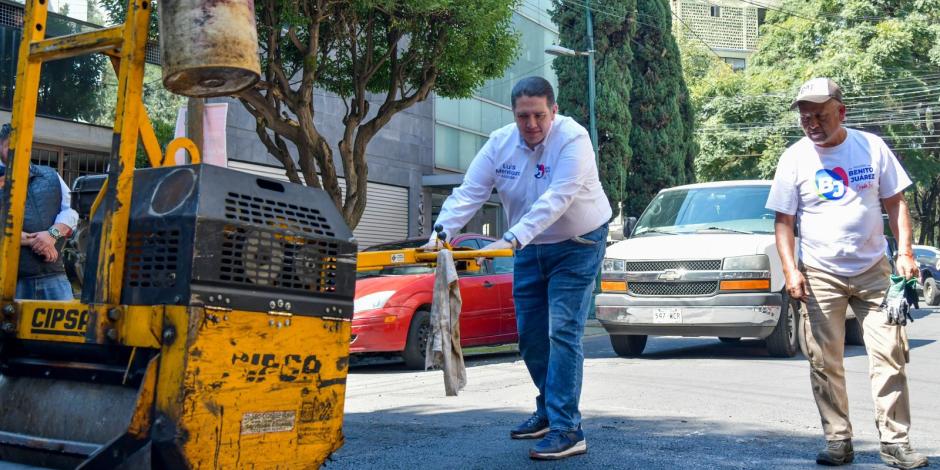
836	453
900	455
559	445
533	428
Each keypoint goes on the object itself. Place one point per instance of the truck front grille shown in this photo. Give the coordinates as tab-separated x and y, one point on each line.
688	265
673	288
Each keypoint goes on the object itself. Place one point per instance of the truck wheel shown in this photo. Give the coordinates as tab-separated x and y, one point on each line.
628	345
783	341
416	345
931	293
854	335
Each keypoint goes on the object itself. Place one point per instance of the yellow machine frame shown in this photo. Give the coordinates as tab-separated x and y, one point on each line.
126	45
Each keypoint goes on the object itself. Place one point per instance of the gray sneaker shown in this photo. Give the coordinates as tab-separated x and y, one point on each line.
836	453
900	455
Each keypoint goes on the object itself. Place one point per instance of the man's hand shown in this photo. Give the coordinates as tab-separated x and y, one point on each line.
44	245
906	266
796	285
499	245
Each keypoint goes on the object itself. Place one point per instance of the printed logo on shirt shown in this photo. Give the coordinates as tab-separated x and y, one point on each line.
508	171
542	171
862	177
831	184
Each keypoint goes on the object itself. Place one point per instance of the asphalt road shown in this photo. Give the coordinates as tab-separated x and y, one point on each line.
687	403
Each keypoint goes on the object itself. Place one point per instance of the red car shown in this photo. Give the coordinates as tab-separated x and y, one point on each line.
392	306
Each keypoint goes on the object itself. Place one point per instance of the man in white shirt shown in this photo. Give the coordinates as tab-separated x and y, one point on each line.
834	182
48	217
543	170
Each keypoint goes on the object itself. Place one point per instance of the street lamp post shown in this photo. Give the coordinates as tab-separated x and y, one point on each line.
592	97
592	92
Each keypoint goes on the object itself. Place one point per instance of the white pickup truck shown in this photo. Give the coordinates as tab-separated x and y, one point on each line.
700	261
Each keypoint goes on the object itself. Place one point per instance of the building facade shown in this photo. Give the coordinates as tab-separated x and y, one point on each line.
730	28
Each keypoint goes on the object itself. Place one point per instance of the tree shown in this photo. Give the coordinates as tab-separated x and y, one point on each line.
396	52
662	135
162	106
886	57
614	26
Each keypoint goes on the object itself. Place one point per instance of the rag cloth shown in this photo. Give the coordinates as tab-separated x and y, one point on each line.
443	349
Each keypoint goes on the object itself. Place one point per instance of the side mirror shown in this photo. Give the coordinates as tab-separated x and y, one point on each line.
629	226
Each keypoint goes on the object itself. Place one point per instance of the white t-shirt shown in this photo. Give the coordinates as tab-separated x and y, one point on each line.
836	193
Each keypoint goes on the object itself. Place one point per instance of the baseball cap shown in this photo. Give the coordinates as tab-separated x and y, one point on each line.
5	131
818	90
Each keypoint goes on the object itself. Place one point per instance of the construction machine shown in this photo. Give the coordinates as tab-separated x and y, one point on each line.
214	322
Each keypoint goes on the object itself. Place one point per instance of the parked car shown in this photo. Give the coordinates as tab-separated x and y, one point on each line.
392	305
701	261
928	260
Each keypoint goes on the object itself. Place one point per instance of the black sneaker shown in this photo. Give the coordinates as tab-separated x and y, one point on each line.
533	428
836	453
559	445
901	455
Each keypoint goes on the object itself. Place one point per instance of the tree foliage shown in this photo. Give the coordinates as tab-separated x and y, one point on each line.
614	27
662	137
162	106
390	52
644	117
886	57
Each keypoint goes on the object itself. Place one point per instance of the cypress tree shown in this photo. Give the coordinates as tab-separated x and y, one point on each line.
614	26
662	131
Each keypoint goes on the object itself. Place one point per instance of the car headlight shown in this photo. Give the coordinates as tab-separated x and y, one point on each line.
612	265
372	301
746	263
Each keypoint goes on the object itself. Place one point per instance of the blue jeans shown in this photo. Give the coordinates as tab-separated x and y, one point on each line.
552	287
51	287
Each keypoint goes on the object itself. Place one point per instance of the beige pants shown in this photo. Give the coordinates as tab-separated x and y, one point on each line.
822	330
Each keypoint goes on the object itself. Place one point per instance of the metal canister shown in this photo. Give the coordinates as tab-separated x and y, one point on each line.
208	47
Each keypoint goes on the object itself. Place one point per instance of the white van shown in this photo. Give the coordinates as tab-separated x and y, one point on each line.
700	261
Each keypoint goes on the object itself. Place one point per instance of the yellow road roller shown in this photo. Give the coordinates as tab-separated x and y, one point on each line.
213	326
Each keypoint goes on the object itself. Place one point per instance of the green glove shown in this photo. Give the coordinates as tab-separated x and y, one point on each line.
900	297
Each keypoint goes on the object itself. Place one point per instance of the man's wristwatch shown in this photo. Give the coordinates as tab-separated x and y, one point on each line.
509	237
55	233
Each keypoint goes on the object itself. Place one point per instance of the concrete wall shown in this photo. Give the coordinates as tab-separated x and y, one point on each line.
398	155
68	134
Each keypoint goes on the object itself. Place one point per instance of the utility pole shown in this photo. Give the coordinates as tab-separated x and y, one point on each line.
592	91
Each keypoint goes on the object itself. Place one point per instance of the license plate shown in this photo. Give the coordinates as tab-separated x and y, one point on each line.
667	315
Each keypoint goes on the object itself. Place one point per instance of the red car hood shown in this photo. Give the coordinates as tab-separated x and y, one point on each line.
380	283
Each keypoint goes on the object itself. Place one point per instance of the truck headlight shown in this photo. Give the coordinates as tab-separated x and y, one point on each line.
612	265
612	275
746	263
372	301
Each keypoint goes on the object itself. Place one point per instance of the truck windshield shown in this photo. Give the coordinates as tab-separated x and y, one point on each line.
731	209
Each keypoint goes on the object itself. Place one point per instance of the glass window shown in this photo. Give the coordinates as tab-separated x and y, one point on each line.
732	209
735	63
502	265
470	114
447	110
471	243
532	60
925	256
447	146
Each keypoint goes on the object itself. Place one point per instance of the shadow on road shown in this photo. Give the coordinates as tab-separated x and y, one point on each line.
473	357
429	437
